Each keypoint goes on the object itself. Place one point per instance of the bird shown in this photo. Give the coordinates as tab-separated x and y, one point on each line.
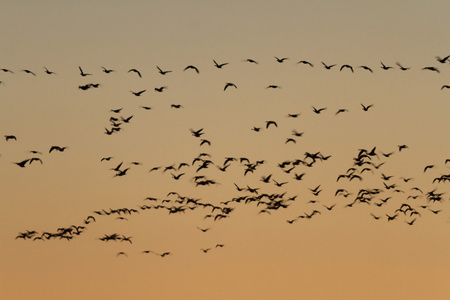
47	71
401	67
341	110
219	66
57	148
251	61
268	123
160	89
318	111
107	71
384	67
328	67
366	108
162	72
176	106
10	137
193	68
7	71
229	84
445	86
135	71
281	60
273	86
442	60
22	163
305	63
431	69
29	72
82	72
137	94
367	68
347	67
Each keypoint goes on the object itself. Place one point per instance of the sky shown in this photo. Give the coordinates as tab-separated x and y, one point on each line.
265	241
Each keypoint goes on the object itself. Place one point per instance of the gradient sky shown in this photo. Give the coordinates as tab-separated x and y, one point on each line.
343	253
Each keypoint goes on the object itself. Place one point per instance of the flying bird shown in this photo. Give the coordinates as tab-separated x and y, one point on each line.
193	68
162	72
135	71
229	84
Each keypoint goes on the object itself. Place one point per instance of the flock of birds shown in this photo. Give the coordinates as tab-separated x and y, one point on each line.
392	198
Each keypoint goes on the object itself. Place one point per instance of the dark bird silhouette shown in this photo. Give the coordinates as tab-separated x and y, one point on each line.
162	72
402	67
445	86
47	71
160	89
442	60
193	68
107	71
229	84
401	147
341	110
29	72
366	108
273	86
428	167
304	62
176	106
318	111
22	163
57	148
268	123
366	68
328	67
219	66
251	61
10	137
135	71
346	66
384	67
82	73
431	69
137	94
7	71
281	60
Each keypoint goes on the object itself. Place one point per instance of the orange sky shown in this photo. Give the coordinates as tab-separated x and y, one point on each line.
339	253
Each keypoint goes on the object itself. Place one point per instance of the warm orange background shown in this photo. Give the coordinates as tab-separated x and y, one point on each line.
340	254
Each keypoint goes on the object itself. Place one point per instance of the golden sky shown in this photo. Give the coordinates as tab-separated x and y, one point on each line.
224	243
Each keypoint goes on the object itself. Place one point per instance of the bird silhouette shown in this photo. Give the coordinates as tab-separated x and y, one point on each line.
82	73
192	68
219	66
135	71
328	67
346	67
281	60
229	84
162	72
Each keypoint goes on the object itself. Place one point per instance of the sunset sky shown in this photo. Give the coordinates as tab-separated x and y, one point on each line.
350	249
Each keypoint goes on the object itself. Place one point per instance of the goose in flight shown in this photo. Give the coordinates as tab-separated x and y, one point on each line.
10	137
82	72
346	66
442	60
47	71
29	72
281	60
366	68
402	67
305	63
384	67
251	61
107	71
229	84
162	72
193	68
366	108
219	66
328	67
135	71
